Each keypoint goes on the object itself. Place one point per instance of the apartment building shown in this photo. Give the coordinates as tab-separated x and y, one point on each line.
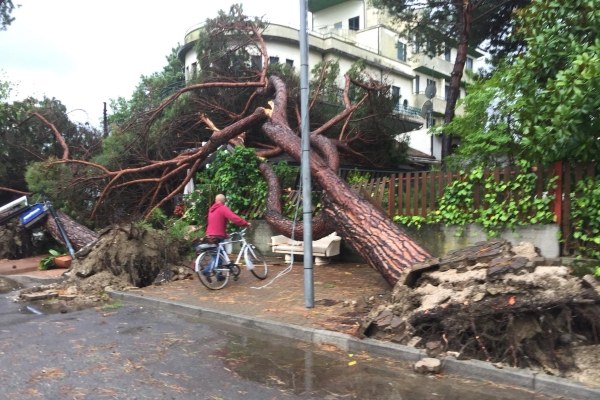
350	30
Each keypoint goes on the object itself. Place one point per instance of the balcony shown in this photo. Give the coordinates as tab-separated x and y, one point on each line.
409	113
435	67
439	104
318	5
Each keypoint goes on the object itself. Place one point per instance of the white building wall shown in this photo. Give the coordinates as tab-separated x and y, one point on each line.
426	142
377	45
326	19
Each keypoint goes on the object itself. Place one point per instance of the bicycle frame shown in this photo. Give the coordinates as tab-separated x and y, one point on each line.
243	250
215	273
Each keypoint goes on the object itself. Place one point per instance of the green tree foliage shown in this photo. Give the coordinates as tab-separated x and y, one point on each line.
485	136
369	139
234	173
6	9
149	92
544	105
586	217
144	134
226	55
373	138
434	24
26	140
464	25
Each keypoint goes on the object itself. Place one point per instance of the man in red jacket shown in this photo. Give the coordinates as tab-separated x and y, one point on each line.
216	226
218	215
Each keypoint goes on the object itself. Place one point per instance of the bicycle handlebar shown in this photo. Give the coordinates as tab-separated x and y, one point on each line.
240	233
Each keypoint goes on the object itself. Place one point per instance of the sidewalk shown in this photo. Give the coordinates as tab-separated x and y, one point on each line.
28	267
341	293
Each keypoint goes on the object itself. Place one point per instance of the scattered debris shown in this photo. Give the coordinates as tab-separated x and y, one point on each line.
494	303
428	365
124	256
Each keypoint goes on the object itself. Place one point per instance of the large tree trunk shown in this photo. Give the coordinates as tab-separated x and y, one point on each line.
383	244
78	235
465	19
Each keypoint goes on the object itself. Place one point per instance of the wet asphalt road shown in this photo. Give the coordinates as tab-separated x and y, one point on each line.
128	352
123	353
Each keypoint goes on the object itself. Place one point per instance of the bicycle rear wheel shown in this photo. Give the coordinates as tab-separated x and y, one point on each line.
258	261
218	277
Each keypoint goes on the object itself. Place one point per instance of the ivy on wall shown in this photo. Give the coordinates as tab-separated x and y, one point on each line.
505	205
585	213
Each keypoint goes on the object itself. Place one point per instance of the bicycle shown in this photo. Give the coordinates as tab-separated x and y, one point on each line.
217	276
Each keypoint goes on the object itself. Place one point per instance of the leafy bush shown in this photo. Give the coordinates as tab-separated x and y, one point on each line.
235	174
505	204
585	213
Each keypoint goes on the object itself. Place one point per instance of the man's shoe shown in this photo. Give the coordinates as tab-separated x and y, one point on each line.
220	277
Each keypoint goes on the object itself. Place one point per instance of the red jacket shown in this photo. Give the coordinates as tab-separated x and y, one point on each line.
218	215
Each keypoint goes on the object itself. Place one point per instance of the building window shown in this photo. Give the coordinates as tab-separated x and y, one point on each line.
337	25
417	84
396	96
416	44
430	89
194	70
405	104
469	64
256	62
354	24
273	60
447	53
289	63
430	121
401	47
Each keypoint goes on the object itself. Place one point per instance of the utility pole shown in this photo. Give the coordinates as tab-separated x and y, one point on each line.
309	297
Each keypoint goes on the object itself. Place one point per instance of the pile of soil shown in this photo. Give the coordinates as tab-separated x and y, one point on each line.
123	256
498	303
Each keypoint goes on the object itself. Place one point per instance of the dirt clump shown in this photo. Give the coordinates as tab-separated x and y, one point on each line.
497	303
124	256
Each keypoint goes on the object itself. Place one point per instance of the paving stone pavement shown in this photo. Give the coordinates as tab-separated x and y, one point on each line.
342	294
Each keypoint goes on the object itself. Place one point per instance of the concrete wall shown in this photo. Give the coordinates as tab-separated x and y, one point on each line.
437	239
440	239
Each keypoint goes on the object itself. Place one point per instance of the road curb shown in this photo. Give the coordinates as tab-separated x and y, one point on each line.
474	369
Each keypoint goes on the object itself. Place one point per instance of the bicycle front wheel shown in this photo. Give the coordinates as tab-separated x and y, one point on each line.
259	264
216	278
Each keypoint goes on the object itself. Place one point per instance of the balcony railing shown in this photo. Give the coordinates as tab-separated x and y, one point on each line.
408	110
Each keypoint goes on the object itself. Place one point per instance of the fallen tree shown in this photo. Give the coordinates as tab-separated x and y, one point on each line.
153	183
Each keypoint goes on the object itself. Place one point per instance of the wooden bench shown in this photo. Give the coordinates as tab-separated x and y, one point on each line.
323	249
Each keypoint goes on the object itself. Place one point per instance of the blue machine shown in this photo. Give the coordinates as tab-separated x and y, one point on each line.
33	214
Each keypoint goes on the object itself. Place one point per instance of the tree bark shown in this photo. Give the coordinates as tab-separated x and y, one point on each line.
78	235
381	242
465	21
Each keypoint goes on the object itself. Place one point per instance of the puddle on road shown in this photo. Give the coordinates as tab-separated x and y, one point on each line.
51	307
329	373
42	308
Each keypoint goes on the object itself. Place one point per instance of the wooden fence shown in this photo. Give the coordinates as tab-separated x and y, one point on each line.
418	193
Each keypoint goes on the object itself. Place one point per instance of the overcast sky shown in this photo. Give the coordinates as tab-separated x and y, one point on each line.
86	52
